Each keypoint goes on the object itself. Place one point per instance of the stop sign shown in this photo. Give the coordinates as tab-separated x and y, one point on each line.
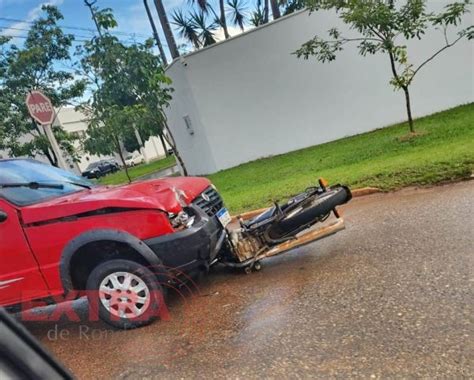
40	107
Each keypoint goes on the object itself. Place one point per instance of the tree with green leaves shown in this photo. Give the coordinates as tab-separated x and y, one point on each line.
200	26
186	28
207	29
292	6
257	17
237	13
36	65
384	26
129	90
196	28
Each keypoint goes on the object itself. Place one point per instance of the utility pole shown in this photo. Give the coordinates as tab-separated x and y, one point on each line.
155	33
166	28
89	4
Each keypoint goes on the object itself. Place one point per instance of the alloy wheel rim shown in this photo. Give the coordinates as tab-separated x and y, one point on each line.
124	295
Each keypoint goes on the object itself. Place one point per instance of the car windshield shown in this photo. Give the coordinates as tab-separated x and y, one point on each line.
28	171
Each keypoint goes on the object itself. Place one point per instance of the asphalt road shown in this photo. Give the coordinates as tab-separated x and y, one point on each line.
390	297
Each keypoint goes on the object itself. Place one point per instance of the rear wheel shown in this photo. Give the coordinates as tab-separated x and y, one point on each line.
125	294
308	212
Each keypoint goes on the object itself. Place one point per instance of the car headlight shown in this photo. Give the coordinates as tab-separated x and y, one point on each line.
181	220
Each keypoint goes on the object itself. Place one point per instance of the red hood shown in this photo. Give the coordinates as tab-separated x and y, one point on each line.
154	194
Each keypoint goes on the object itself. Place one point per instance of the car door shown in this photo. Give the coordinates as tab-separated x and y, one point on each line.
108	167
20	277
104	169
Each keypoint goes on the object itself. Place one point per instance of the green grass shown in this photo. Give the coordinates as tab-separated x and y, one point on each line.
443	150
138	171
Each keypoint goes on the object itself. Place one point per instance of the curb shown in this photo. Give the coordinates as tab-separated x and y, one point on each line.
365	191
355	193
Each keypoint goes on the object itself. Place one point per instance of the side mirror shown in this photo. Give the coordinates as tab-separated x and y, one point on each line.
3	216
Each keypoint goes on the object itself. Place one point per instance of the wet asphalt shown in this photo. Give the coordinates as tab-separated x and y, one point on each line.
392	296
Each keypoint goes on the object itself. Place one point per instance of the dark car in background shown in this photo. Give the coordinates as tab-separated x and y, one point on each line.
100	168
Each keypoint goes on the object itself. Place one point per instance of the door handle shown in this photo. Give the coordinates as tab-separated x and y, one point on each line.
3	216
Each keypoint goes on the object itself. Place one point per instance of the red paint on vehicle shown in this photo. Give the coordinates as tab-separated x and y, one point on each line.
32	238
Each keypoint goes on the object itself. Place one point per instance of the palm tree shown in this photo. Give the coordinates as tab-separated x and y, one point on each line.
207	31
237	12
166	28
275	8
293	6
258	16
223	21
265	11
186	28
205	7
156	37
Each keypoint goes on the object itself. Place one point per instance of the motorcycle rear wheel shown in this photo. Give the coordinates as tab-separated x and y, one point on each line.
307	214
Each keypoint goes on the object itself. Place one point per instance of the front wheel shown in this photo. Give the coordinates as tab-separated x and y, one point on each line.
125	294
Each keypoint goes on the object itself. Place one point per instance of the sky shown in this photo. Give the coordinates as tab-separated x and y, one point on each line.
130	14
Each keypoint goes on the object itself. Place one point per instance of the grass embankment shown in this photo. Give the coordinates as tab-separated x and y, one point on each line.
442	150
138	171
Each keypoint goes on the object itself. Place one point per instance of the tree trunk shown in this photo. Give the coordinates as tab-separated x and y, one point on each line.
155	33
166	28
172	144
408	105
265	12
275	9
89	4
223	20
163	144
119	151
404	88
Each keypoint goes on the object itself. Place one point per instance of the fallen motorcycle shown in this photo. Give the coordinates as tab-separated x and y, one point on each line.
284	227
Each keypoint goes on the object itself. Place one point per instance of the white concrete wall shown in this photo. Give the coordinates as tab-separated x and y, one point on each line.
248	97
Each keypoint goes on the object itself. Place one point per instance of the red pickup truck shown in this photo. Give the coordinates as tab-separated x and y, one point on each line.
120	246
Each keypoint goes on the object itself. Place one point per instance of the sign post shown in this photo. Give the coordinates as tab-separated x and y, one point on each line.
42	111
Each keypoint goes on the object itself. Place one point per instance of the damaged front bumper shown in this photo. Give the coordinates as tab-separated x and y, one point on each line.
195	247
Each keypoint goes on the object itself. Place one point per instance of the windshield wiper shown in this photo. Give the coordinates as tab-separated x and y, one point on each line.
80	185
39	185
33	185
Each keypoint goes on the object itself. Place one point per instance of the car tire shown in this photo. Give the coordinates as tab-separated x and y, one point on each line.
125	294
